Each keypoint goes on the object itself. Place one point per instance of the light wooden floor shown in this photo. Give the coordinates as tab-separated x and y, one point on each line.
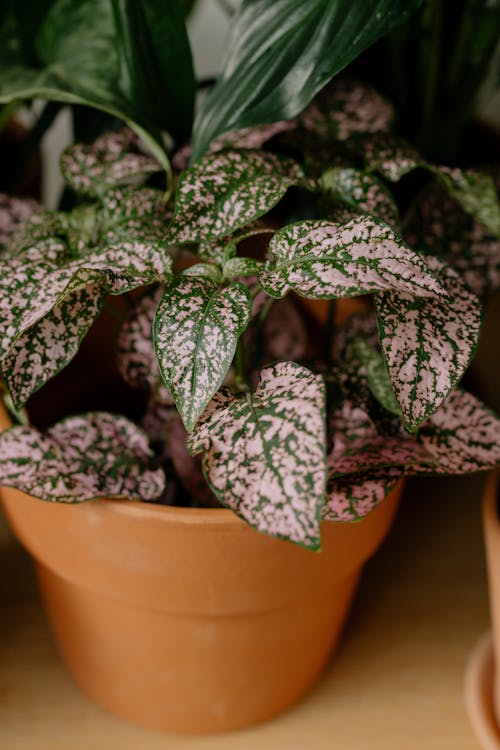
395	683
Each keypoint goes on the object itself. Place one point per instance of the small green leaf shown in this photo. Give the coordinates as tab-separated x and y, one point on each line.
476	193
206	270
241	267
196	328
377	375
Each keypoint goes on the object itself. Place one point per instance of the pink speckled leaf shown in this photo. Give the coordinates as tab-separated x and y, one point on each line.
352	497
136	357
264	452
228	189
196	329
135	214
252	138
50	301
187	467
14	212
345	108
322	260
427	345
362	192
114	159
389	155
463	436
438	225
81	458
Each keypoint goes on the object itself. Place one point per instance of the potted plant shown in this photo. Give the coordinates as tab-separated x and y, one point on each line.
213	625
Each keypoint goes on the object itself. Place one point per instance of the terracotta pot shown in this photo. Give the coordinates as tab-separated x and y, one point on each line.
186	619
491	524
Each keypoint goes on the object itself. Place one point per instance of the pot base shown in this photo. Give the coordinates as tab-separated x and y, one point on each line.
192	674
479	680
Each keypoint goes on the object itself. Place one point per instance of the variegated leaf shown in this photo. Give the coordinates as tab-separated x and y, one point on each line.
353	497
43	283
389	155
236	267
43	349
131	214
228	189
114	159
427	345
361	192
136	357
322	260
463	436
438	225
81	458
345	108
264	453
476	193
196	329
188	468
14	212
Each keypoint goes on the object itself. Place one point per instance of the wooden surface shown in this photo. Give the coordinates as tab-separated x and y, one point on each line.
395	683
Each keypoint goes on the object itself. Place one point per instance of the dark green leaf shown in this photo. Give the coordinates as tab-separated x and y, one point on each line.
281	53
156	69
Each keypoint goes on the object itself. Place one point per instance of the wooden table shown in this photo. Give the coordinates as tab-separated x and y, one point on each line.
395	683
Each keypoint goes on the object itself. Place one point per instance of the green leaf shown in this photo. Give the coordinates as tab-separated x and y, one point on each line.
264	452
323	260
228	189
476	193
282	52
196	329
377	375
76	45
156	69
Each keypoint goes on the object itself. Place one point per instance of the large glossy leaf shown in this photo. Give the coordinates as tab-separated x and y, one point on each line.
321	260
264	453
79	64
81	458
281	53
227	190
156	69
196	329
427	344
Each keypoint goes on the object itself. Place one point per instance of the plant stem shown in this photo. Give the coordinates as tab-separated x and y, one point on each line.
330	330
239	364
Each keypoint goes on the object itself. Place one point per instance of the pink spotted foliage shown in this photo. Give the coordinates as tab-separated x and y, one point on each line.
427	345
226	190
14	212
113	159
264	452
196	329
321	260
81	458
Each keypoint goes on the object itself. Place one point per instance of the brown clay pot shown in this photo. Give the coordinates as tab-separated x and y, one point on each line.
491	525
187	619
